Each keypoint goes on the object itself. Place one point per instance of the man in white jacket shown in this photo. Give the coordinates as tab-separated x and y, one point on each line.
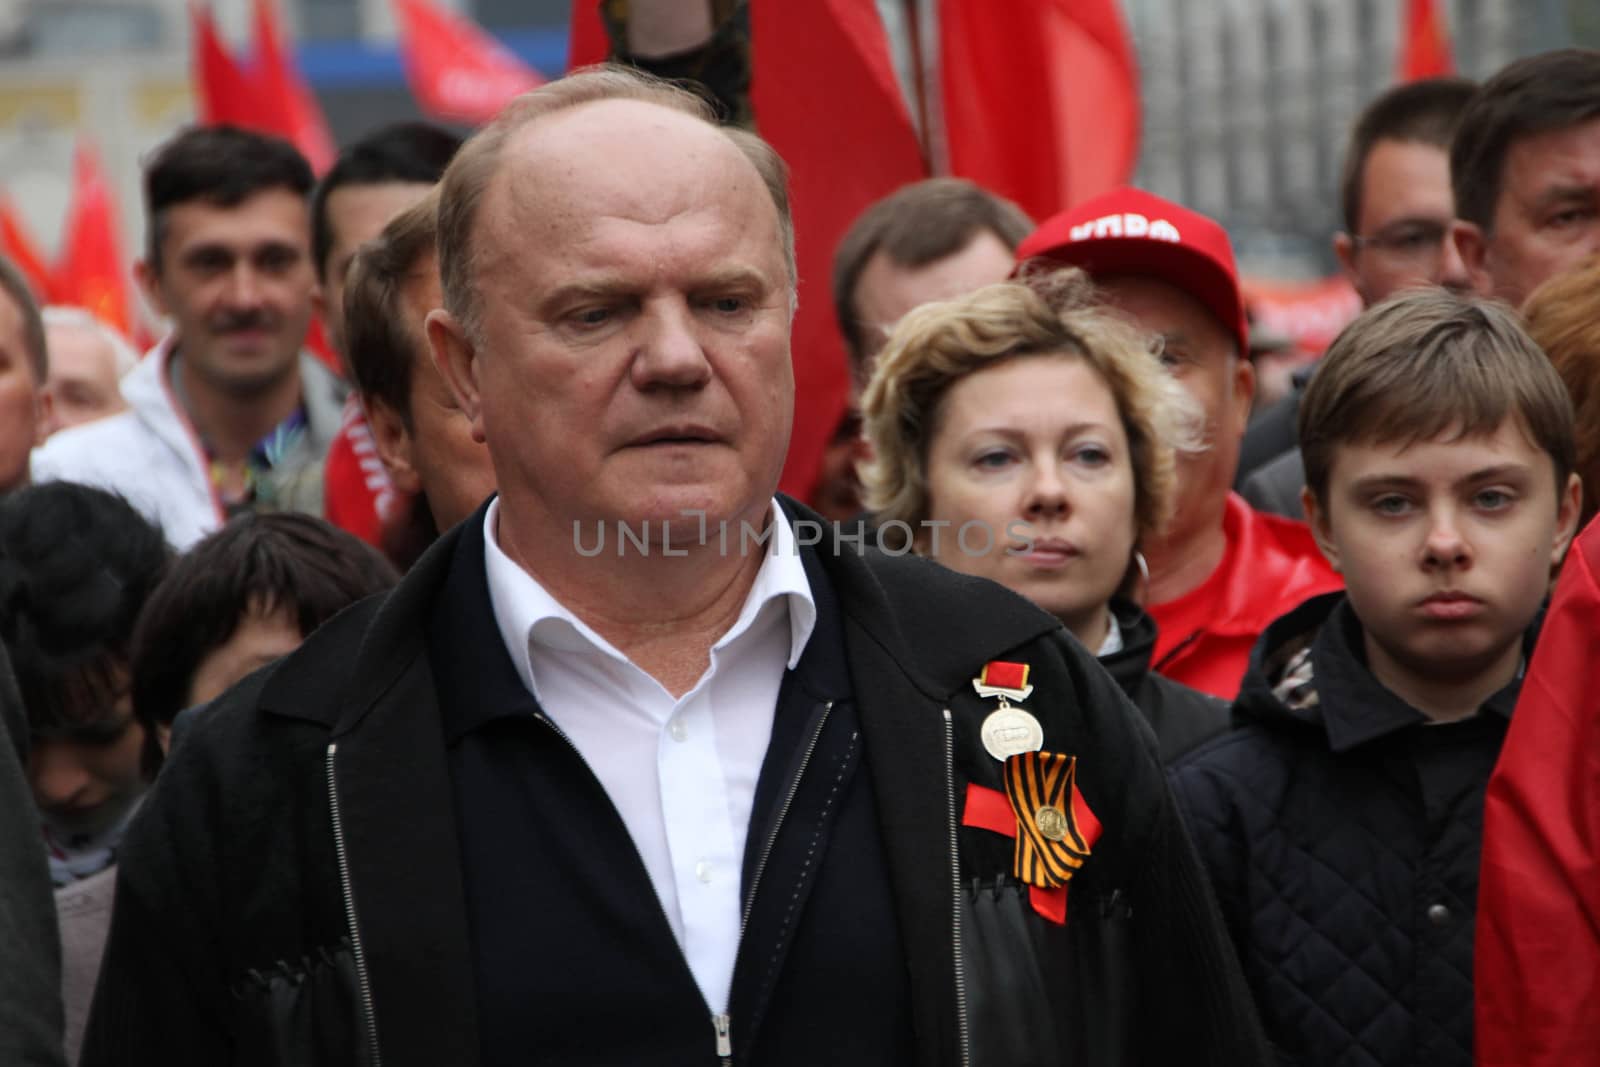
226	414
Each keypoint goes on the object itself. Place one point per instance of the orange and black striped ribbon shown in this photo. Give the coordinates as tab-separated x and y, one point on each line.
1055	828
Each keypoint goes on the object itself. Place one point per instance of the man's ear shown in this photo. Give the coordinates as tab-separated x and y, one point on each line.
319	303
456	358
1321	528
1344	250
1244	391
1472	245
394	445
149	281
1568	511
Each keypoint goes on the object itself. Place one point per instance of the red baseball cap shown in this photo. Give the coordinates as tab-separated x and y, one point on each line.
1130	231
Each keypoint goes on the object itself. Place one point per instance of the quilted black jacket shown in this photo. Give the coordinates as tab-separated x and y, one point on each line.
1341	831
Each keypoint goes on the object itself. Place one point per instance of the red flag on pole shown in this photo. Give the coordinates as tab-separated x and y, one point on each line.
457	72
91	273
1425	44
17	245
1041	98
587	42
223	90
280	88
826	58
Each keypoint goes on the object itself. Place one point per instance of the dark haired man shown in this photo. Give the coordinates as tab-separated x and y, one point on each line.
1395	192
226	414
371	182
426	443
930	240
23	370
1525	165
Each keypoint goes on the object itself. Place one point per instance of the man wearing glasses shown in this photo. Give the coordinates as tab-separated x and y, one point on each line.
1398	207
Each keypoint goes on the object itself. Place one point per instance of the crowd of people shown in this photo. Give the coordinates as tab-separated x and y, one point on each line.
1089	711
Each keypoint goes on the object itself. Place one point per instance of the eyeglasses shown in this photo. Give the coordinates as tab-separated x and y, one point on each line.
1416	245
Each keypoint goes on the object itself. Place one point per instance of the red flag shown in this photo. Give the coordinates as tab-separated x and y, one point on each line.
223	90
587	42
1041	98
281	91
91	273
17	245
457	72
1424	44
826	57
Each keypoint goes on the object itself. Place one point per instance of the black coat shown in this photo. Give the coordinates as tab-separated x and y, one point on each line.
314	802
1181	717
30	971
1341	830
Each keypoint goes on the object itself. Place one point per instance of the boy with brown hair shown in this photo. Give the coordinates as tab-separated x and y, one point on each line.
1341	822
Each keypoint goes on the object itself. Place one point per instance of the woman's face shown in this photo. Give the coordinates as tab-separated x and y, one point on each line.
1034	450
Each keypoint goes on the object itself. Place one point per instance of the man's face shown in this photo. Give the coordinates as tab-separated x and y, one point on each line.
1402	237
1445	546
356	214
440	457
83	377
1547	218
1202	356
20	414
633	357
237	283
885	291
85	777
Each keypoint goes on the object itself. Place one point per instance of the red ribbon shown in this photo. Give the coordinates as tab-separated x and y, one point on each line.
998	674
988	809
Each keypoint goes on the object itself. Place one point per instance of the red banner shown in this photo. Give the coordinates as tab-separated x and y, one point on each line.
1040	97
457	72
91	272
1309	313
1424	43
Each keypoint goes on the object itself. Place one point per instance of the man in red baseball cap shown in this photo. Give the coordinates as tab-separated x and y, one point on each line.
1221	571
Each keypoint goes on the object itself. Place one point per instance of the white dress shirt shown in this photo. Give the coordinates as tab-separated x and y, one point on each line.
681	771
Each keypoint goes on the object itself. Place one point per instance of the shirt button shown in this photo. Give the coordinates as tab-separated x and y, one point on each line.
1438	915
702	871
678	730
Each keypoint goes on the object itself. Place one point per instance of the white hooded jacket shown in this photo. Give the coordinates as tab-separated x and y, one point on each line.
152	455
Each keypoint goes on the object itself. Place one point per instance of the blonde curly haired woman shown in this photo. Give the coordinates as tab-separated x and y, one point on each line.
1026	434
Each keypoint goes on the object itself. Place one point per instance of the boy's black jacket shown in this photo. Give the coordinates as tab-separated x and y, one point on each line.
230	942
1342	831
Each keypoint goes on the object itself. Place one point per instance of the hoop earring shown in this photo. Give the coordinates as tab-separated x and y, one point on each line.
1144	577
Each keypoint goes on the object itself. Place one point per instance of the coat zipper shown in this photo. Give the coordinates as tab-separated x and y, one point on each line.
363	985
723	1023
955	884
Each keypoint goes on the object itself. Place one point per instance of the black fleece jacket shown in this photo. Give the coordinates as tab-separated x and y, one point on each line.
231	939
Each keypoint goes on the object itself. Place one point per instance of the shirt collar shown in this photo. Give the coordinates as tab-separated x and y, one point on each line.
524	610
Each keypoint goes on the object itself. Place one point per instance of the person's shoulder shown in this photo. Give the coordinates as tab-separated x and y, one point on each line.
1274	488
115	443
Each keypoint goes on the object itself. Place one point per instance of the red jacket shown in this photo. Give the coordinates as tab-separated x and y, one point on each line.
1538	940
1271	565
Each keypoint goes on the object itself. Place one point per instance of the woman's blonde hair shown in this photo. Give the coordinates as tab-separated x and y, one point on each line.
1044	313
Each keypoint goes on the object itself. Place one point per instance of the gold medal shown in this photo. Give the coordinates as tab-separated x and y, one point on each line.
1008	731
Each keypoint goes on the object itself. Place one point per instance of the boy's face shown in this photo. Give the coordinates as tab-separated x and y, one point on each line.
1445	546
